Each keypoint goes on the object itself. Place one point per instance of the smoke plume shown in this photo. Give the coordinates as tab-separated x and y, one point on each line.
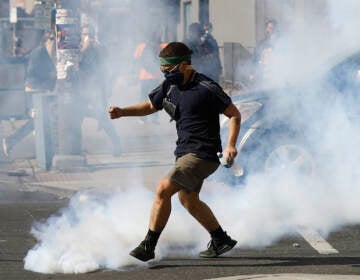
97	230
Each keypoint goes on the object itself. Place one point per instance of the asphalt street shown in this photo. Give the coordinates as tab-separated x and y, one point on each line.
291	255
36	195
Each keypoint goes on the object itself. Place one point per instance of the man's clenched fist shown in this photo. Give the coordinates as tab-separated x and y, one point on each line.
114	112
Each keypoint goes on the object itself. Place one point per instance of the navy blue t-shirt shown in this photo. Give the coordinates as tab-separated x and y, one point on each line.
197	121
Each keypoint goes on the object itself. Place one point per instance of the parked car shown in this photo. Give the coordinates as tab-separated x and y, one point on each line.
278	125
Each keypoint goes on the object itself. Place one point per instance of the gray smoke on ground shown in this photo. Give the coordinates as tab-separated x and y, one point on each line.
97	230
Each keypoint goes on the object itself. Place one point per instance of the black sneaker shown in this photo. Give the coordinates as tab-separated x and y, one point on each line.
218	247
143	252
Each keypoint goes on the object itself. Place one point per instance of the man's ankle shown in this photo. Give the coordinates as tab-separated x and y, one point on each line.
152	237
219	233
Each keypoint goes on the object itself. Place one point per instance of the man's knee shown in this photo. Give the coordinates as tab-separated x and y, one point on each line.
189	200
165	189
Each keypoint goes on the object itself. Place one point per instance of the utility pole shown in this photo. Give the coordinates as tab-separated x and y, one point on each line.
68	156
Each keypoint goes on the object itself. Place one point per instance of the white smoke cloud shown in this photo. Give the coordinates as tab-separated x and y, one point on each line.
97	231
309	47
326	200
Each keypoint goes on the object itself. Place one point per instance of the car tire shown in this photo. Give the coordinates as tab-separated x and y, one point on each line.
278	154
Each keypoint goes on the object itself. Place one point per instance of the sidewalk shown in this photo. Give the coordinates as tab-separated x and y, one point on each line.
143	145
102	172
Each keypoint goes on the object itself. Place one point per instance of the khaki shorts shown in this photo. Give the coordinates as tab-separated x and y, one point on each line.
190	171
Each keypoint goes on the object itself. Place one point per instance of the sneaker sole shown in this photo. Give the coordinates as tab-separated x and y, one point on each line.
142	257
207	256
226	248
223	250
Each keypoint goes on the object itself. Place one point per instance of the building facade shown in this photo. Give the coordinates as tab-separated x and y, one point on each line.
239	24
243	21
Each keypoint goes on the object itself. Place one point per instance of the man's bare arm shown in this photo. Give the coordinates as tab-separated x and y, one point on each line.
141	109
234	115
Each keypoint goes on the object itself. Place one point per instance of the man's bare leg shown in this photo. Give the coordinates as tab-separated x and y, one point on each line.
220	241
199	210
161	207
160	213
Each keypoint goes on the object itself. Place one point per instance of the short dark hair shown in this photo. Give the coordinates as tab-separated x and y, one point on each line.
175	49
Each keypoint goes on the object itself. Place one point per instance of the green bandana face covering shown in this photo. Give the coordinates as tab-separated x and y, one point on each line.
173	60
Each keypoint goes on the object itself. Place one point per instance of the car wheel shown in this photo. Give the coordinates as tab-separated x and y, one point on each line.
290	157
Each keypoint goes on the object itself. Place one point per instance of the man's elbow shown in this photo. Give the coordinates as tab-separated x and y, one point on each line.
236	119
150	107
236	116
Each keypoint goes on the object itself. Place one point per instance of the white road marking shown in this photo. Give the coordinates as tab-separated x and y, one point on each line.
317	241
292	276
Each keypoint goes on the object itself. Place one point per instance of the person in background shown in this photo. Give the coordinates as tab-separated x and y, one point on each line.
205	50
193	41
94	91
263	52
19	49
40	78
147	63
212	46
195	102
